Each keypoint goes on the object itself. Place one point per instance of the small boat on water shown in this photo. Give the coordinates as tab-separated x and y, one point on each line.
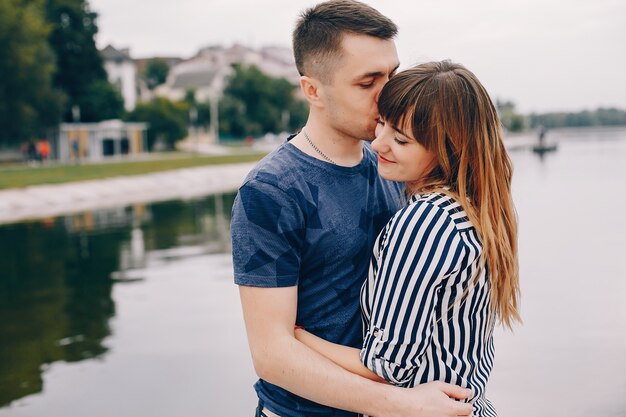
542	147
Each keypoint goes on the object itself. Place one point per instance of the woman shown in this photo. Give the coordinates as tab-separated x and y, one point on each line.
445	266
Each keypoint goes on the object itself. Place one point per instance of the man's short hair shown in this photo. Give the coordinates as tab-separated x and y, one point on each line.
320	29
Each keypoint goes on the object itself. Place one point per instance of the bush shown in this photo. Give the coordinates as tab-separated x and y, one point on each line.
167	120
255	103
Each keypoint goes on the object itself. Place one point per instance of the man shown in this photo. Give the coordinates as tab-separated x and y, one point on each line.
304	223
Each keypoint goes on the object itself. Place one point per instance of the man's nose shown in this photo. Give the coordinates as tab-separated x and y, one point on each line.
386	79
378	94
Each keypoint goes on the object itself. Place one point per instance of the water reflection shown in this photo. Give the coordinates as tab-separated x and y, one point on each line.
58	274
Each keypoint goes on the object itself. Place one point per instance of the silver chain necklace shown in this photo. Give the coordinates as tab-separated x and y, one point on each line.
308	139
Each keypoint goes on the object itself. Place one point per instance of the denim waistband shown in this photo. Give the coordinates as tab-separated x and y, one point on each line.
261	411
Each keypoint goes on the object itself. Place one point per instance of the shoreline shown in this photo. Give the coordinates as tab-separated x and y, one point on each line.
42	201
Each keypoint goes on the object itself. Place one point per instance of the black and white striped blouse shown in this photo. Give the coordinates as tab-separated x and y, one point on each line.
426	302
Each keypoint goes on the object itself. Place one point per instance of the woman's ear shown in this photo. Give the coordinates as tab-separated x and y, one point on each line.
312	90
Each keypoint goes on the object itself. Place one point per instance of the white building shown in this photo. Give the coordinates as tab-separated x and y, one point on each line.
97	141
122	73
206	73
203	74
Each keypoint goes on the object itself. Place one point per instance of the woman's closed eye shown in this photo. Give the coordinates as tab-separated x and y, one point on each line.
399	141
396	139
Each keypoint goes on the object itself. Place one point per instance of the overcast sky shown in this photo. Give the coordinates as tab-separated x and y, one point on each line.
545	55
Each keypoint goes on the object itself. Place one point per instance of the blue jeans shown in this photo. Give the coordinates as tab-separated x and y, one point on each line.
260	411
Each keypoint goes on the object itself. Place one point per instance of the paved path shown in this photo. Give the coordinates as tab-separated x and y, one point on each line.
52	200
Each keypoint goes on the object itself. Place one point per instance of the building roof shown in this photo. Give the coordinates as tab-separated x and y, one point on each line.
111	54
114	124
194	80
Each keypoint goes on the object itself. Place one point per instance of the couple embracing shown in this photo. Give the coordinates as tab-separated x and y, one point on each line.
372	276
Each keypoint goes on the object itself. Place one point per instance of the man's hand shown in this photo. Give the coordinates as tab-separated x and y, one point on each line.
434	399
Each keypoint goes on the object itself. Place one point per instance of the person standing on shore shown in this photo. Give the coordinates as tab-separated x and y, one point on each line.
304	223
43	148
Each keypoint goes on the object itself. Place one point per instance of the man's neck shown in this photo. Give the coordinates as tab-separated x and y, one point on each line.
332	146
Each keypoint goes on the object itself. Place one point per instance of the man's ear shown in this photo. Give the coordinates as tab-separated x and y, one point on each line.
312	90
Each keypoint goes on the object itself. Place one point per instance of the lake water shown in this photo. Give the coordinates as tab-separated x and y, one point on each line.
132	311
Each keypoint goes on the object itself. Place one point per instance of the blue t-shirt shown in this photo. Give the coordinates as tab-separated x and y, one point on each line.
301	221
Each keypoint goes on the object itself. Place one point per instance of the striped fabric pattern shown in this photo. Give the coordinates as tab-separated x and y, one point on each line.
426	302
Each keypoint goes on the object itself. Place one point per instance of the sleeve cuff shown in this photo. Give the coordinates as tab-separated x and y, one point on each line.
395	373
266	282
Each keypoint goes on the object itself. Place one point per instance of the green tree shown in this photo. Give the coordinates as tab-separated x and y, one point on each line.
202	110
298	114
156	72
233	121
80	71
28	102
510	119
610	117
255	103
167	120
102	102
598	117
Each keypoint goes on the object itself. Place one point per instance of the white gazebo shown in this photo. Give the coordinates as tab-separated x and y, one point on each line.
97	141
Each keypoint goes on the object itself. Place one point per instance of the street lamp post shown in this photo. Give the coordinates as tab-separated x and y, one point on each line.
213	102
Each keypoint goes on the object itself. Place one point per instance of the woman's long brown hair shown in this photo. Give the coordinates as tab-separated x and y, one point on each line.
449	112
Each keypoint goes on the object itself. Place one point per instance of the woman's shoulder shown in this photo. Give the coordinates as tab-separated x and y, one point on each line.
432	219
441	204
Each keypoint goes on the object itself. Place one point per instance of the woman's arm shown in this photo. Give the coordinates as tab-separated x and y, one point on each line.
423	248
344	356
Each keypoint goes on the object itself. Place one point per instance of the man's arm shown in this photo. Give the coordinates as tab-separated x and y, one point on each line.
282	360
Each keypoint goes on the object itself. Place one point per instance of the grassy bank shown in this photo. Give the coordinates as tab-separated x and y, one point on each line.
24	175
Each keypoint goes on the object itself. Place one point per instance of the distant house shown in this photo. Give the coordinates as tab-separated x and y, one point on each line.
97	141
206	73
122	73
